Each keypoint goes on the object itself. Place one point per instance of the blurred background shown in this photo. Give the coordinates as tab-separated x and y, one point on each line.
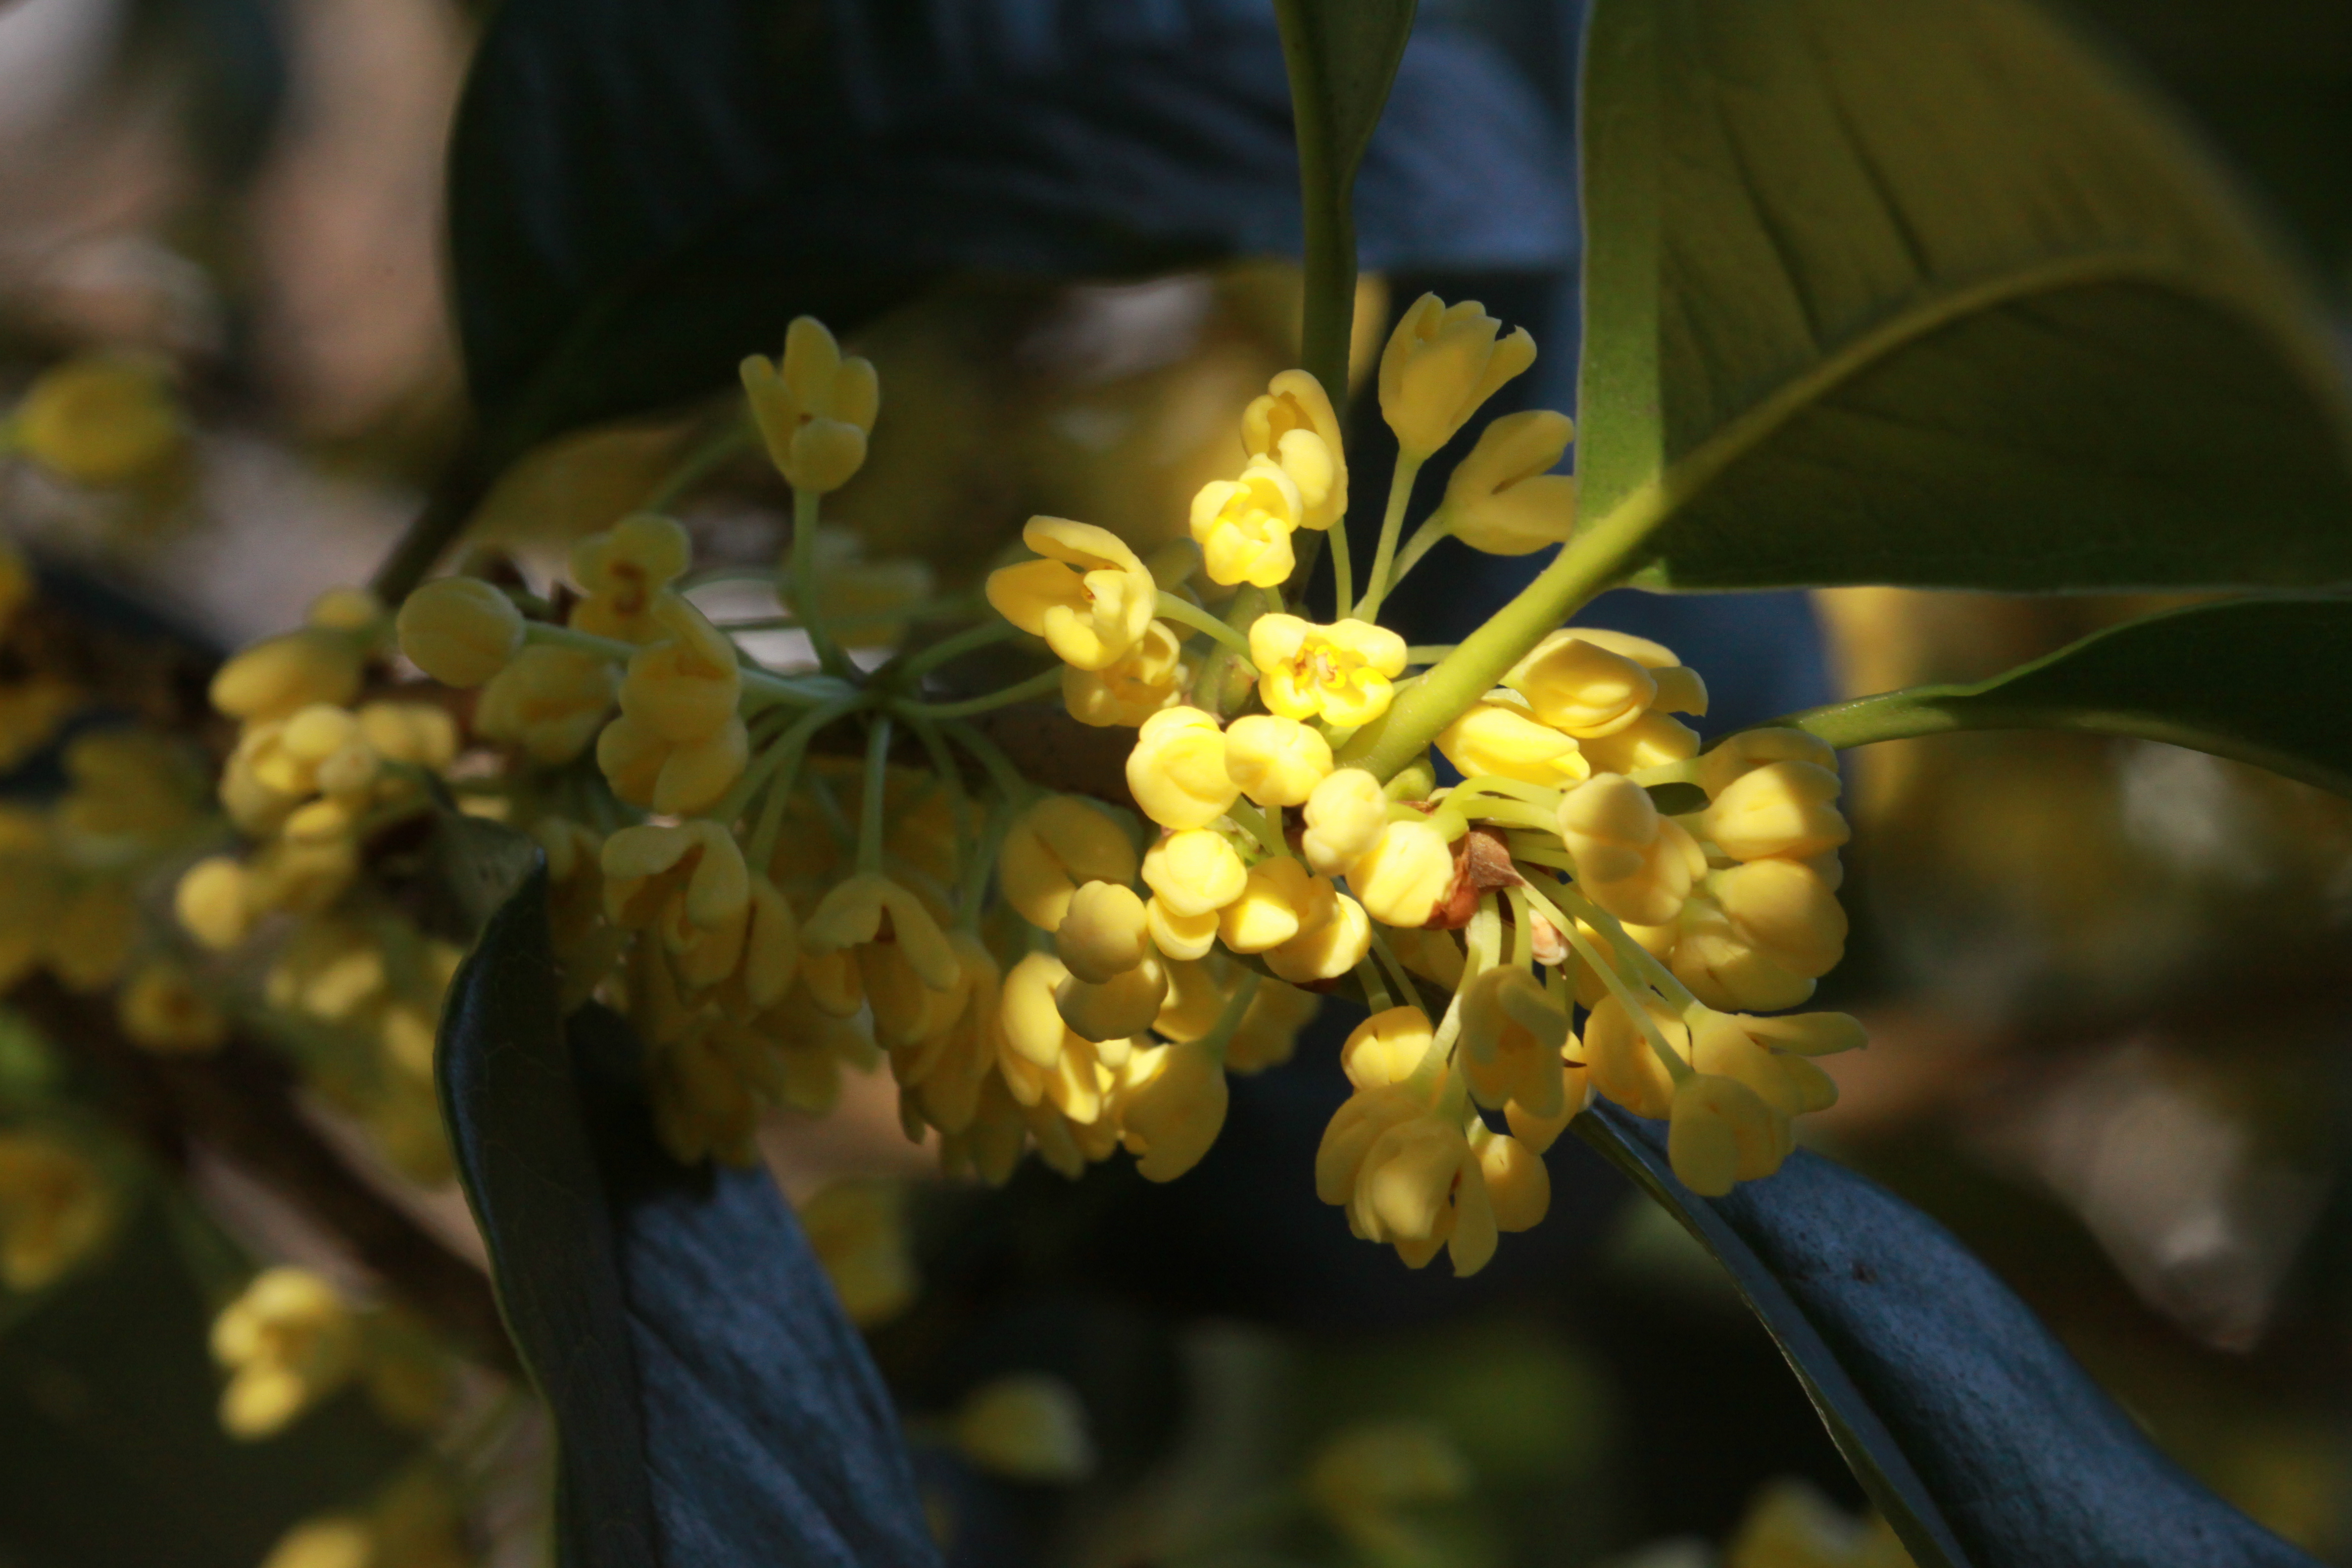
2104	980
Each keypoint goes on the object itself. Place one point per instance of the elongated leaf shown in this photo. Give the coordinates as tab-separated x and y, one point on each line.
640	192
2266	681
1972	1430
712	1405
1921	291
1347	52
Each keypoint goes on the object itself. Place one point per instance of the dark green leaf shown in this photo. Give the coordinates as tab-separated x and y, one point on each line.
1972	1430
1345	54
1921	291
2266	681
642	194
712	1405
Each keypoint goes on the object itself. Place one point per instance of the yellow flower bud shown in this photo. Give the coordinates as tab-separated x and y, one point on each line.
1623	1063
1386	1047
1332	940
1275	760
1055	844
1652	740
1573	683
1277	898
1180	936
1723	968
1421	1188
695	865
1786	911
1721	1134
54	1208
623	571
274	678
1091	598
460	630
1405	875
772	946
289	1341
1113	1009
1170	1102
1142	681
1243	526
1518	1185
1194	873
1341	673
1345	814
1293	422
1808	1034
1752	749
1512	1032
1030	1427
684	688
852	914
1177	770
1499	738
1503	498
163	1010
211	903
1441	365
1631	861
100	419
1102	935
815	409
1033	1030
672	778
1785	809
550	702
1724	1043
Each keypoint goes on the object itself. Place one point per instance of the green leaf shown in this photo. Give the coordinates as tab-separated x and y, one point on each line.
1924	291
1970	1428
2266	681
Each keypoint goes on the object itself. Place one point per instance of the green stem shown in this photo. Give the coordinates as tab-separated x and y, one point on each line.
766	683
1428	652
1037	685
915	666
1250	817
1586	565
705	458
1343	573
781	757
1240	615
1175	607
1433	528
1408	469
869	810
1405	989
804	596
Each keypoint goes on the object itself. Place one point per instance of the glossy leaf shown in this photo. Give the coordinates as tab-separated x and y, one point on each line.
1922	292
2266	681
712	1405
641	193
1972	1429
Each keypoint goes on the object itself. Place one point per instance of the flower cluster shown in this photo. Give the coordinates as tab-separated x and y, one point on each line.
289	1341
1546	881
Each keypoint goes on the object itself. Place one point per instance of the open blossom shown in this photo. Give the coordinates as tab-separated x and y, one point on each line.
1341	673
1293	422
1142	681
814	409
1243	526
623	571
1091	599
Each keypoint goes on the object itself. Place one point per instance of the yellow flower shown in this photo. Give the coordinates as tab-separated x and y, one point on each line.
1177	770
1752	749
100	419
815	410
1623	1063
1091	598
1386	1047
1440	366
163	1010
1512	1032
420	734
1345	816
1115	1009
1293	422
1102	936
624	570
460	630
1504	498
55	1207
550	700
1517	1186
1268	1034
1028	1427
1723	968
1275	760
672	778
853	913
858	1230
1243	526
1652	740
1573	683
1194	873
1043	1059
1171	1104
1721	1132
289	1341
1497	737
1785	809
283	674
1421	1187
1332	939
1144	680
1405	875
690	885
130	783
1278	898
685	687
1631	861
1339	673
1055	845
329	1540
1733	1044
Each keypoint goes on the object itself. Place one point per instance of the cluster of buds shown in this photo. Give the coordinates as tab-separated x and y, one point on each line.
1546	881
289	1341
